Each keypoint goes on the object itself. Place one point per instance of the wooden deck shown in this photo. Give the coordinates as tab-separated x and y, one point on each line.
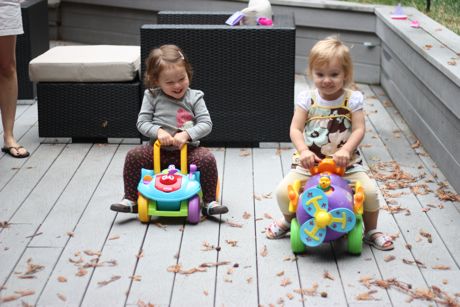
60	245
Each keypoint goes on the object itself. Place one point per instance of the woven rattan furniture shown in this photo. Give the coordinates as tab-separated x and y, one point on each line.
88	101
32	43
245	72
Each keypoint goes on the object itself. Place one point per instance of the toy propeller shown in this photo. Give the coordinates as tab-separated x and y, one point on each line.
315	203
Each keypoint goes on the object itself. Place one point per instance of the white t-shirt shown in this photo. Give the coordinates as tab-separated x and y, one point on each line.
355	102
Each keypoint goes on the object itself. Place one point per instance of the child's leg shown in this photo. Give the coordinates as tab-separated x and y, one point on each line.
205	161
136	159
371	212
279	228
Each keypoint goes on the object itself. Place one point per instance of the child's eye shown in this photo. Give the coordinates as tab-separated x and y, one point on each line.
319	74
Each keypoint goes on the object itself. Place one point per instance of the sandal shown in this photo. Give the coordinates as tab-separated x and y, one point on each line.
125	206
277	231
379	240
214	208
8	150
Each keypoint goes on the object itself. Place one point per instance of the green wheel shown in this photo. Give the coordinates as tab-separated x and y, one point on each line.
355	237
297	245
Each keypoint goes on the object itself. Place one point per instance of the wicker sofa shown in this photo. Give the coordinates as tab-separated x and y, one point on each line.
245	72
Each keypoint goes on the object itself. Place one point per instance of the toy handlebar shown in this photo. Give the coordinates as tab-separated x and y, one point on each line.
327	165
156	158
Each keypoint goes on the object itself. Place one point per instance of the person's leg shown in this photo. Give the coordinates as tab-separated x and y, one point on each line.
279	228
205	161
9	93
136	159
371	212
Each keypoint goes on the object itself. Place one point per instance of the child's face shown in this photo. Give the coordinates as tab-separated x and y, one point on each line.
173	81
329	79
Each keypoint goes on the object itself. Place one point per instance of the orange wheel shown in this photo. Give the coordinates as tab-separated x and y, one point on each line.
143	209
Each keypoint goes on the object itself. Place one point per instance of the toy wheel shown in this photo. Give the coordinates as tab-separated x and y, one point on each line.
355	237
297	245
143	209
194	210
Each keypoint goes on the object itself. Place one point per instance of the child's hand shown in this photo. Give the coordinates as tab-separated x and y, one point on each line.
341	158
165	138
180	139
308	159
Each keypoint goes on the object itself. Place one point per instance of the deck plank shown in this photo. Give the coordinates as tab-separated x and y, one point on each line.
278	276
241	284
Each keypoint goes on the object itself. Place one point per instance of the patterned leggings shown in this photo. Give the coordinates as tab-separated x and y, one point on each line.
142	157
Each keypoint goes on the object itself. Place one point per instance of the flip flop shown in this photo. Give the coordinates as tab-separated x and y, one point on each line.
19	156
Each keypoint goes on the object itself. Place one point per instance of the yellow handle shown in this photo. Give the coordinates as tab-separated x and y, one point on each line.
156	158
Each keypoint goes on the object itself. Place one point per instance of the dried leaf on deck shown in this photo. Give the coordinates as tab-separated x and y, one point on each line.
4	224
244	153
206	246
81	272
421	189
268	216
114	237
92	252
136	277
366	281
213	264
140	254
106	282
232	243
427	235
264	251
440	267
416	144
257	196
62	279
246	215
290	296
249	280
328	275
280	273
285	282
205	292
234	224
61	297
366	296
141	303
18	294
161	226
389	258
442	194
32	268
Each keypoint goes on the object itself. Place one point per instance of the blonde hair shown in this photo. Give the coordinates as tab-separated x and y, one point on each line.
328	49
161	58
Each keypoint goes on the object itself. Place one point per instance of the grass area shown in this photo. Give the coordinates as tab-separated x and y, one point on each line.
446	12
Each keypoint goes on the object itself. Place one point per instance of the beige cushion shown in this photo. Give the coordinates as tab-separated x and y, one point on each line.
100	63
